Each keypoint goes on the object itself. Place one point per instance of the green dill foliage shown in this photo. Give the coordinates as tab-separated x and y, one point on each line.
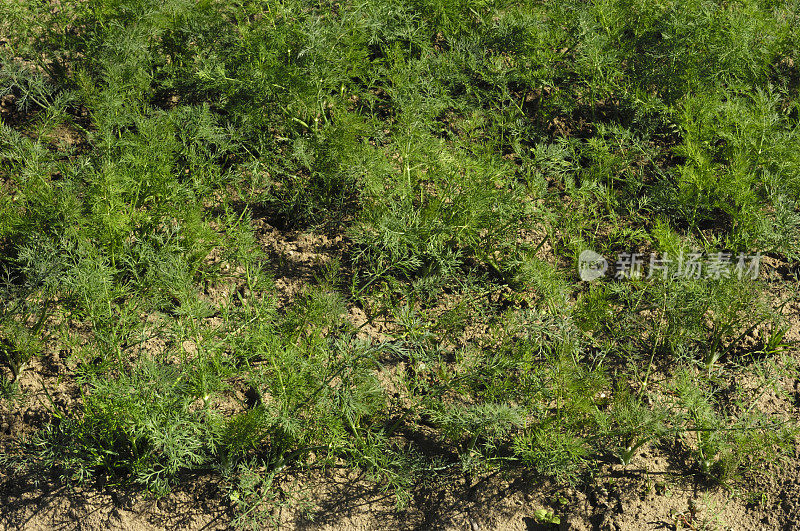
158	157
140	426
724	443
631	423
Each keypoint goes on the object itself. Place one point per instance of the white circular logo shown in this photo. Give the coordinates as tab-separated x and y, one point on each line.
591	265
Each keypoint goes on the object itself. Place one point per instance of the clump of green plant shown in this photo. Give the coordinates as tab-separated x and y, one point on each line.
632	423
27	293
725	444
554	453
20	343
435	210
140	427
483	428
